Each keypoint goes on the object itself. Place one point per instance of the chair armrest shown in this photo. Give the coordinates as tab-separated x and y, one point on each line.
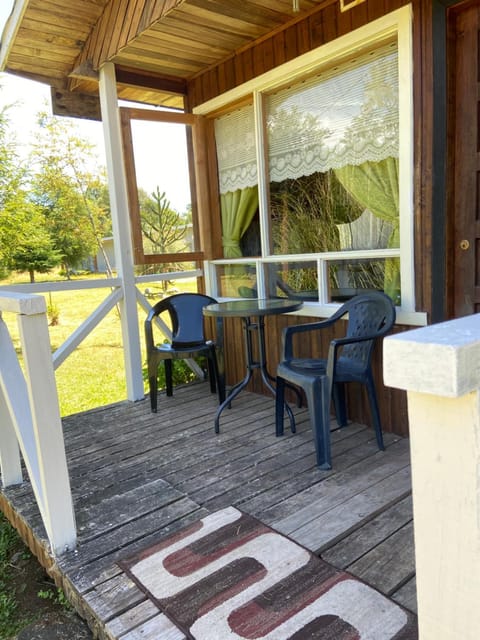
340	342
149	334
289	332
336	343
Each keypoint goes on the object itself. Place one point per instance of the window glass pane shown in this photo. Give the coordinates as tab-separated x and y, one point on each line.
333	158
236	280
348	278
297	280
237	176
332	161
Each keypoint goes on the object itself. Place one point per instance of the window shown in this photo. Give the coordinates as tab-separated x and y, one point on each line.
310	173
332	145
159	188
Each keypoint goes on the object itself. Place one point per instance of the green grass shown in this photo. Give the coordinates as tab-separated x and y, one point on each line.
11	620
27	595
93	375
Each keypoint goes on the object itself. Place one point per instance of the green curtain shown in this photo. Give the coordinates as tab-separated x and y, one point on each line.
238	209
375	186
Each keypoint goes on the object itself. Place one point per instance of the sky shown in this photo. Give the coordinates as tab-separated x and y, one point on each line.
160	151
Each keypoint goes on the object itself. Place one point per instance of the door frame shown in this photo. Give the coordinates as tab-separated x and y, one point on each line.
127	114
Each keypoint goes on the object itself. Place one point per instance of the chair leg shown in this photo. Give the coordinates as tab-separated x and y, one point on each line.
152	367
279	405
375	412
168	377
319	409
218	378
340	404
211	374
152	382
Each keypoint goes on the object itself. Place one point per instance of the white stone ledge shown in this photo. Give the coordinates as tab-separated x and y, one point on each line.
442	359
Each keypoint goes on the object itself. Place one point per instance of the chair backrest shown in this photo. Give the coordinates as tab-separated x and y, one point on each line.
186	315
371	314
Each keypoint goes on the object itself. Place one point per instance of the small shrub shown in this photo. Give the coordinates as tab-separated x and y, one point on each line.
56	596
53	313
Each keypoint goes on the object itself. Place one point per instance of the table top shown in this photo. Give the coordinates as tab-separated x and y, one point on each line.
252	307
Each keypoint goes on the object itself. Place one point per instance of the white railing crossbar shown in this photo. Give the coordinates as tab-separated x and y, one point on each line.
87	326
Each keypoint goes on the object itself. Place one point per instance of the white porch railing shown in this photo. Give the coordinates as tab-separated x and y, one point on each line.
30	418
439	367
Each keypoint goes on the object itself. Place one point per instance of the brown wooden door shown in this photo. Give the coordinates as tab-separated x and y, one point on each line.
464	92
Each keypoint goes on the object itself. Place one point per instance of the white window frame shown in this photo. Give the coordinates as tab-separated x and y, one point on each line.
397	23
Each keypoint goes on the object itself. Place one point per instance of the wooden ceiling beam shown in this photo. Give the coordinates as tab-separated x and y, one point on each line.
135	78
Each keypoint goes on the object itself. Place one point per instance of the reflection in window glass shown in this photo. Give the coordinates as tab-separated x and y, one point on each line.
348	278
297	280
333	160
237	281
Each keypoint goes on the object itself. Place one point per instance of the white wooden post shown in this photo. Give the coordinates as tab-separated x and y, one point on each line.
439	367
57	507
10	465
121	231
29	407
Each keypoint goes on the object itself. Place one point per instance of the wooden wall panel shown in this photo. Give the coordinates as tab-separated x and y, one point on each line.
318	28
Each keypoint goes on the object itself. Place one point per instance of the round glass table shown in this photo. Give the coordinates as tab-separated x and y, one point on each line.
252	312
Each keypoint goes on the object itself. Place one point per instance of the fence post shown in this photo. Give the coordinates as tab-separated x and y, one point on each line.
29	409
56	506
439	367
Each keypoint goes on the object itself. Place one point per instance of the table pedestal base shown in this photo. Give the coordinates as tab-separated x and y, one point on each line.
252	364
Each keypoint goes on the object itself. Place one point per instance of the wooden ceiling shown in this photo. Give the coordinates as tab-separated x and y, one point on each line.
157	45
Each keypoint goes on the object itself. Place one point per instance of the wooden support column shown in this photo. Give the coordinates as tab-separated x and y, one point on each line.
439	368
121	231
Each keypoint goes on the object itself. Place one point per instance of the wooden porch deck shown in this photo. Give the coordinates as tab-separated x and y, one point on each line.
137	476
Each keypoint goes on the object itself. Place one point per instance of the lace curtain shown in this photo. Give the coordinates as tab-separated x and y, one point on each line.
346	116
236	154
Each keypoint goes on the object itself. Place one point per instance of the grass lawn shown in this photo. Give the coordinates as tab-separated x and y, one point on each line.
93	375
29	600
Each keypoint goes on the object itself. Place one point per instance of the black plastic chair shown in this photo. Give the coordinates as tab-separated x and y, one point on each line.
188	340
370	316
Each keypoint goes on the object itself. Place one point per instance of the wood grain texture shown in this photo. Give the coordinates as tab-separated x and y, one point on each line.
137	477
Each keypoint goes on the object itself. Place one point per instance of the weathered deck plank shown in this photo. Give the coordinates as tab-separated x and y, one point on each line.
138	476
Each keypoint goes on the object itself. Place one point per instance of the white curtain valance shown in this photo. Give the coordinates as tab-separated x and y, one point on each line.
347	115
236	156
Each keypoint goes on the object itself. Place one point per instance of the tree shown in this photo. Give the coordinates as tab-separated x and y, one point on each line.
10	182
25	244
34	249
164	229
162	226
69	187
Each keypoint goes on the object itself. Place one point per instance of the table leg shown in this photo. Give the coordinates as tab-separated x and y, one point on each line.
266	376
247	327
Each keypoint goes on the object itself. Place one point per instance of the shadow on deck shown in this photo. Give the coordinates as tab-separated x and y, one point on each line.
138	476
